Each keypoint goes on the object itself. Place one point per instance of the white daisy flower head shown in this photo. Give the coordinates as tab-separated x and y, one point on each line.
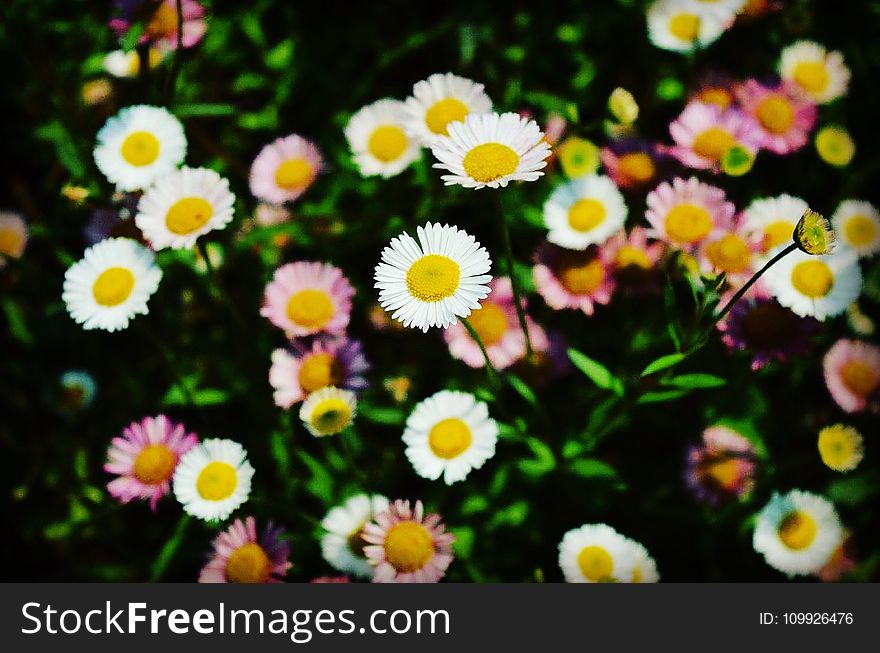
342	546
432	281
328	411
440	100
584	211
857	225
183	205
797	533
724	10
111	284
821	75
596	553
378	140
138	145
492	150
770	221
681	25
213	479
645	569
449	434
816	286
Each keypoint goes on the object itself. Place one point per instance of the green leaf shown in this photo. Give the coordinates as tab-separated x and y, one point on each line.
253	28
662	363
281	55
596	372
170	547
382	414
543	462
15	320
854	489
592	468
695	381
572	449
661	396
513	515
279	453
266	118
132	36
474	504
210	397
321	483
203	109
523	389
464	541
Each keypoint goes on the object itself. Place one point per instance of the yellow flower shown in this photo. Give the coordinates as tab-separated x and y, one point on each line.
835	146
578	157
841	447
814	234
623	106
76	194
737	161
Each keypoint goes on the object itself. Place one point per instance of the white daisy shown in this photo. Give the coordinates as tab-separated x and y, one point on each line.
584	211
822	75
645	569
596	553
111	284
449	434
213	479
183	205
440	100
138	145
797	533
430	282
857	225
120	63
328	411
770	221
342	546
378	140
723	10
681	26
492	150
817	286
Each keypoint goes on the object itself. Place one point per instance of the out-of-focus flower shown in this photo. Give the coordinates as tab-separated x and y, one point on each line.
820	75
343	545
449	434
722	466
857	225
842	561
623	106
770	221
730	252
686	213
784	117
268	215
858	321
128	64
814	234
835	146
213	479
852	375
76	194
76	392
161	24
144	458
111	284
797	533
596	553
407	546
328	411
284	169
578	157
634	259
491	150
378	141
633	164
241	555
14	234
583	212
682	26
645	569
96	91
569	279
307	297
429	283
841	447
398	386
440	100
554	128
703	134
737	161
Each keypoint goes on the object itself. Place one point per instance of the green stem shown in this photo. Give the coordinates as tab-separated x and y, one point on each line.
169	550
218	286
490	369
742	291
514	281
171	84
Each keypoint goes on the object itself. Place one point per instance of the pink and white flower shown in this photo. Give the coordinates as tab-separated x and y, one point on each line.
703	133
241	555
783	116
722	466
686	213
284	169
161	28
852	375
573	279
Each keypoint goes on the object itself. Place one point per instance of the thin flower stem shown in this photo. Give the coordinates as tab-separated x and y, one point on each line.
170	549
490	369
514	282
742	291
218	286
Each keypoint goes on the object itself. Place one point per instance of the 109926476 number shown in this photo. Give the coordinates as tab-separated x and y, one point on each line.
797	618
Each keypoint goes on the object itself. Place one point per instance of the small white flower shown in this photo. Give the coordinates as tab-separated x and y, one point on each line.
213	479
584	211
328	411
821	75
378	140
440	100
857	225
683	26
342	546
596	553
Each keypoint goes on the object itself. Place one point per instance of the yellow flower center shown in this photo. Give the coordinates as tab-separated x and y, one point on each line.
840	447
188	215
444	112
331	416
778	232
433	278
724	472
629	255
860	377
10	242
712	143
318	371
586	214
812	76
310	308
638	166
388	143
583	278
140	148
835	146
113	286
596	564
408	546
293	174
718	96
798	530
248	564
217	481
685	26
729	254
860	230
449	438
812	278
775	113
688	223
154	464
490	323
490	161
163	22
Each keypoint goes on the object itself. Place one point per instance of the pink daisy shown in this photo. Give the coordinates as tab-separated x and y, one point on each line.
161	27
241	556
573	279
634	260
784	118
145	457
307	297
687	213
703	133
732	252
407	546
302	369
269	215
633	164
722	466
852	374
498	327
284	169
